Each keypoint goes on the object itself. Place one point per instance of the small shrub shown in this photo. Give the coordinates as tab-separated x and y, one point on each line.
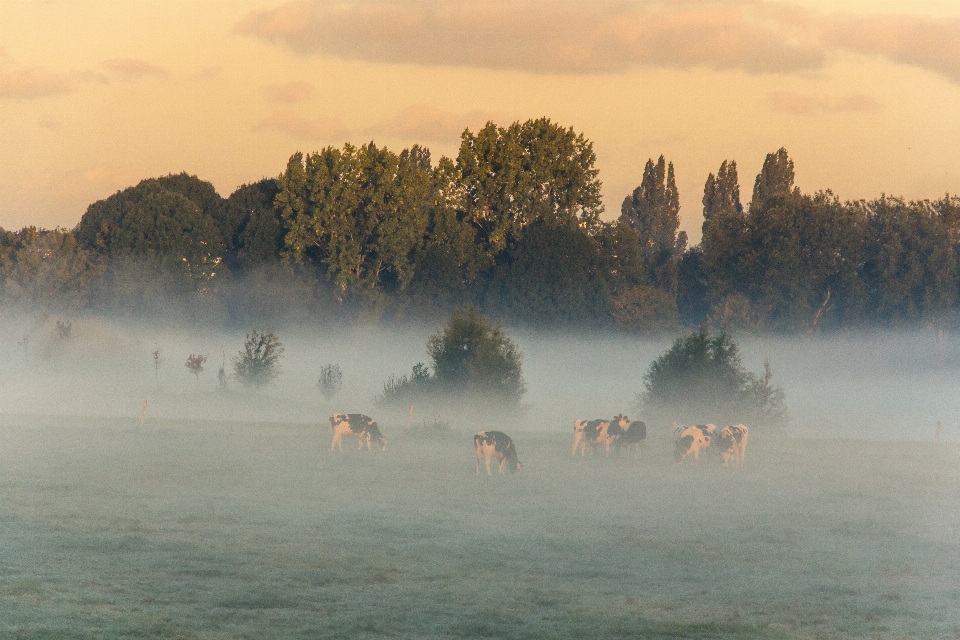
330	382
194	365
259	361
472	359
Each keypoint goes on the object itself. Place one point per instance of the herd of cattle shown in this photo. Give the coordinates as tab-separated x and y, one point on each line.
621	433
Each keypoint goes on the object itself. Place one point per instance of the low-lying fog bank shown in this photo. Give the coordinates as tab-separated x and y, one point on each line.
879	385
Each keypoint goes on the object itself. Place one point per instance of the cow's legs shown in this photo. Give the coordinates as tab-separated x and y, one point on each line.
487	455
335	442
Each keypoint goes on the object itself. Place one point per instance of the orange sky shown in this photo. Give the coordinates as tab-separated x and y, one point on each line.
96	95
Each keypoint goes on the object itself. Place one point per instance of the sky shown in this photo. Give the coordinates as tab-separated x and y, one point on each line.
96	95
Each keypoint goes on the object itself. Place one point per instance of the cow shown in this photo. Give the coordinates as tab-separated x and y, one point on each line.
629	434
689	441
496	444
358	426
591	432
733	444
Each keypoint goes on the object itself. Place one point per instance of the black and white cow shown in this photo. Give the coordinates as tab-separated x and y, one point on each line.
629	434
496	444
733	444
690	441
358	426
591	432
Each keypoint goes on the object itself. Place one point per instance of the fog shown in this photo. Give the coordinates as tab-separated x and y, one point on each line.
874	385
225	514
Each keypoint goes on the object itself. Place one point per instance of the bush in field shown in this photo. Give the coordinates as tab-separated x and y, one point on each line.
330	382
194	365
702	376
470	356
259	361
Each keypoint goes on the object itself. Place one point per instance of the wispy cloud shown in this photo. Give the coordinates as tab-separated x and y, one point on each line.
804	104
35	82
288	91
134	68
293	124
565	36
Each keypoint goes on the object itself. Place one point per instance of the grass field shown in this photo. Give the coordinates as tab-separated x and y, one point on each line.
213	530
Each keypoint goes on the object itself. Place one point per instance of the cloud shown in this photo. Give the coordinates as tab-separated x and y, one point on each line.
926	42
543	37
297	126
35	82
288	91
134	68
570	37
207	74
425	123
801	104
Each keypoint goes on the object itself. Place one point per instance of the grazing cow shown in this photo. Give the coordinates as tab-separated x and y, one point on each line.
358	426
689	441
629	434
496	444
591	432
733	444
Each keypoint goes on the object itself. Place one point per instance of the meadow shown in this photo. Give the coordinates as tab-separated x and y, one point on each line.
230	529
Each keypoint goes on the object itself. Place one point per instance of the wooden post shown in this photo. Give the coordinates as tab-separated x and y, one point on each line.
143	413
410	419
936	437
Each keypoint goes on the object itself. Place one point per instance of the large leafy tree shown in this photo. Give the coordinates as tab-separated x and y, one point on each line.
534	171
653	211
911	262
449	262
358	212
150	222
257	230
46	268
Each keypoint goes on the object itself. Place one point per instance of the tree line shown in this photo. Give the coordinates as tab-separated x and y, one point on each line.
513	226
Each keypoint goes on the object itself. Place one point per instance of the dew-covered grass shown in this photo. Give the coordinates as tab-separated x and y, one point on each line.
219	530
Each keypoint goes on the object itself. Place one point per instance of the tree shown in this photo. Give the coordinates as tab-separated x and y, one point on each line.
553	276
259	361
194	365
724	230
910	267
702	377
473	355
360	213
47	268
255	228
472	359
528	172
153	224
653	211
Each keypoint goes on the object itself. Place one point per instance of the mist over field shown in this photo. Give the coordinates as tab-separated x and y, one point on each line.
226	514
880	385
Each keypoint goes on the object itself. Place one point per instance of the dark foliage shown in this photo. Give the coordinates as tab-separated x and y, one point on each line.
472	359
259	361
702	377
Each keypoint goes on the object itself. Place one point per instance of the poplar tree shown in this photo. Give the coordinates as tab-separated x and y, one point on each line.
653	211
